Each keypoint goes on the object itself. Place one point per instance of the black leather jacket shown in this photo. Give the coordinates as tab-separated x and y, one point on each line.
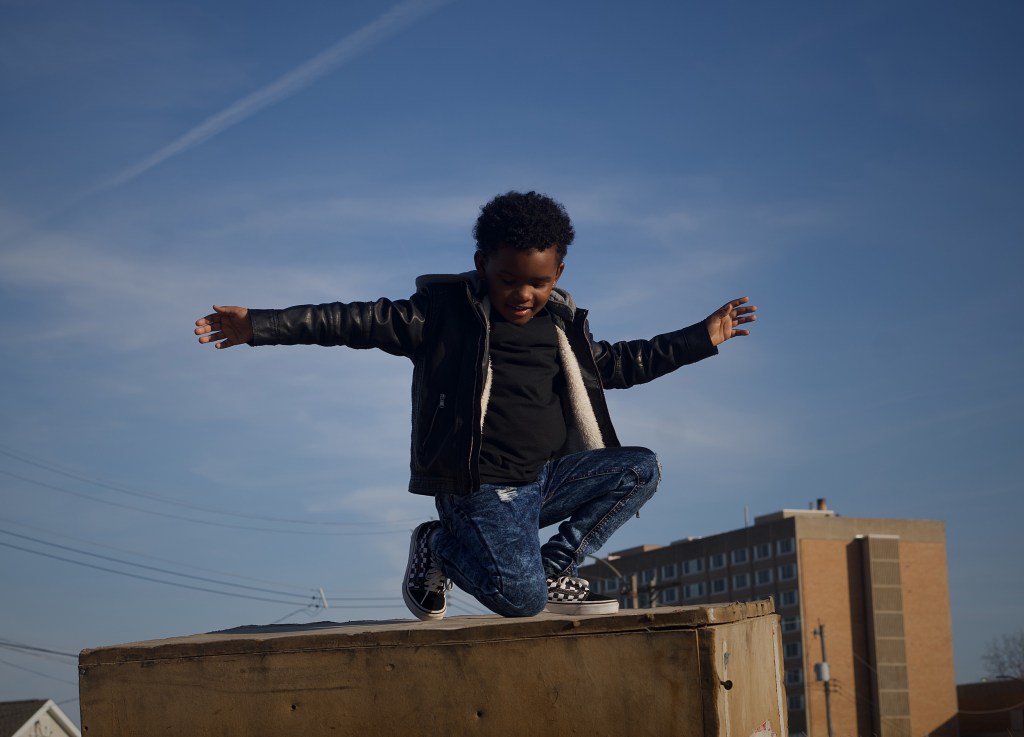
443	329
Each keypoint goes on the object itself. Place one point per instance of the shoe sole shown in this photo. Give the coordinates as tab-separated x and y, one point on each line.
418	611
577	608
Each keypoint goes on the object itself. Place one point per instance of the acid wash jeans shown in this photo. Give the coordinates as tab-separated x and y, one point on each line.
488	541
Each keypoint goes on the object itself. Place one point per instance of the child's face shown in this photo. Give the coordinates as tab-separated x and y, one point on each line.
519	283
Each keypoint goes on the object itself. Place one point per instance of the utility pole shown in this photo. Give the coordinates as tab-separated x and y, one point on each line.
652	593
821	673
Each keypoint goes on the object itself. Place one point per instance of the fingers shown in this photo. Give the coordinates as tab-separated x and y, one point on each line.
208	323
739	311
230	312
225	342
210	338
733	313
219	313
739	305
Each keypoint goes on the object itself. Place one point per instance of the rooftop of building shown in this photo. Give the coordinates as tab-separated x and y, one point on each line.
817	521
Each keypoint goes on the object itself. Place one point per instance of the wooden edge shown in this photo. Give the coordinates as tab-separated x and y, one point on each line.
405	633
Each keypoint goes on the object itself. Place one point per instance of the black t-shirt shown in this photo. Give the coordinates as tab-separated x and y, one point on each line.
524	426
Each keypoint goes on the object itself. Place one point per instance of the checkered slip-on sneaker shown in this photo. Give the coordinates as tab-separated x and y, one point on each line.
425	584
572	595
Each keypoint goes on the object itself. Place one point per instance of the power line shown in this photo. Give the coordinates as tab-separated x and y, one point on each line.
38	673
889	721
995	711
191	519
48	466
31	649
144	578
153	557
380	601
146	567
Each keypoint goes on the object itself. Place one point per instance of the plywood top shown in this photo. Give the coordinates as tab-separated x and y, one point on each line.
405	633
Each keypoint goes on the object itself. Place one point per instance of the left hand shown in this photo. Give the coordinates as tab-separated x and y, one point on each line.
723	321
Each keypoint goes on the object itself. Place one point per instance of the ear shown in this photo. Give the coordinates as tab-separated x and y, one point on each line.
480	260
558	272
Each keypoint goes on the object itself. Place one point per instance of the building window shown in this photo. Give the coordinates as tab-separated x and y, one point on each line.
668	571
795	702
741	581
694	590
762	551
791	650
647	575
626	602
785	547
787	572
717	561
719	586
794	676
763	577
789	598
669	595
791	624
739	555
645	600
693	566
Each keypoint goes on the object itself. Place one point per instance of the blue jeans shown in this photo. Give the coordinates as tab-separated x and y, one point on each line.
488	542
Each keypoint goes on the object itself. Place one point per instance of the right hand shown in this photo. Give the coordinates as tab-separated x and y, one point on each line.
229	325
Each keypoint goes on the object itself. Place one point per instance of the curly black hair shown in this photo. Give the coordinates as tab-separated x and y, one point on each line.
526	222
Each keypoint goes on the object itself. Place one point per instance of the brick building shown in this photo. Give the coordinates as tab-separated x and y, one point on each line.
877	589
992	708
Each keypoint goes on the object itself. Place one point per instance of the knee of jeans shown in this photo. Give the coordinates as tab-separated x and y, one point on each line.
648	467
525	600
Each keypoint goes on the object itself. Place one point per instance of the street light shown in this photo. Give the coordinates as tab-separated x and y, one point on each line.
622	579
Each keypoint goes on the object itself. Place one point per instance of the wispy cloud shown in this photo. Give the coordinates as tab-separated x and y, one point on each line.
348	48
89	280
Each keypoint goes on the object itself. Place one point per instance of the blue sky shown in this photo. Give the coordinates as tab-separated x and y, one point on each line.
856	169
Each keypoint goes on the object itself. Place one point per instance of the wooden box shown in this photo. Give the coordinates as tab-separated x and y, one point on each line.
691	671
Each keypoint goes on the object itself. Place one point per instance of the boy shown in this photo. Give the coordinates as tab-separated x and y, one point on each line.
510	430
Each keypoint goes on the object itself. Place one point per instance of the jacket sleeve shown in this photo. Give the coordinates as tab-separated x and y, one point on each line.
627	363
393	326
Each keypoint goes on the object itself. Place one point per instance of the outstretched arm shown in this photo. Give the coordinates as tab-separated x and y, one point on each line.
722	323
229	325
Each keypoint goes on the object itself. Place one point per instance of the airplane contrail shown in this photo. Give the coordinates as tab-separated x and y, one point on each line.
399	17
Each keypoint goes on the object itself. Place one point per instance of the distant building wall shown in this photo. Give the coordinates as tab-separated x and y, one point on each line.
830	576
991	708
928	621
879	587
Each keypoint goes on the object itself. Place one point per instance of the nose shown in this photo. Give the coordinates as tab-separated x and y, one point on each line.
524	294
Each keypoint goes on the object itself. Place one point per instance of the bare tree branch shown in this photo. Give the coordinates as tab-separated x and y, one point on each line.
1004	655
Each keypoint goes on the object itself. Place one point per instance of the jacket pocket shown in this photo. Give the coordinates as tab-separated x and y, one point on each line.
427	438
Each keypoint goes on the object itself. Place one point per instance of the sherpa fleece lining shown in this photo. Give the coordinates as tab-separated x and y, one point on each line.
584	419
